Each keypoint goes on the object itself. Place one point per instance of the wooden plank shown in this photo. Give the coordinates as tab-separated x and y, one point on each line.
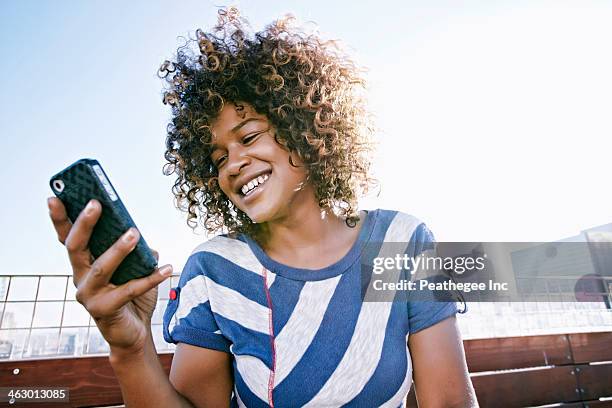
595	381
587	404
526	388
597	404
91	380
591	347
516	352
166	361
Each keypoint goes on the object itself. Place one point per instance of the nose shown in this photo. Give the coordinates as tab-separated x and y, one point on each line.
236	160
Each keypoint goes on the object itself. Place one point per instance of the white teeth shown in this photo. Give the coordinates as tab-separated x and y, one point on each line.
250	186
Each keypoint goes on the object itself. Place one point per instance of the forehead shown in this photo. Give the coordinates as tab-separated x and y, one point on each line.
231	116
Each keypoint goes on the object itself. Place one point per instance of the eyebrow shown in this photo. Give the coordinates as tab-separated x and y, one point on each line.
244	122
236	128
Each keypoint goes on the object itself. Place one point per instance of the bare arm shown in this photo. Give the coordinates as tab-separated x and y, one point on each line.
143	381
202	375
123	315
441	376
198	378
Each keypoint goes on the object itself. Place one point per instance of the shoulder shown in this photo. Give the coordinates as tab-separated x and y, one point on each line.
221	245
220	253
397	226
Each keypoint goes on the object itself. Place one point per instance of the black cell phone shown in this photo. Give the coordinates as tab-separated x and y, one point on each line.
84	180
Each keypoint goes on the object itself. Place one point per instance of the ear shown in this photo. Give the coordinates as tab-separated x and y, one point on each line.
240	111
295	160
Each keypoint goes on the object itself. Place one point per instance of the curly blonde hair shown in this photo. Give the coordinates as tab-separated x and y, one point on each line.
306	87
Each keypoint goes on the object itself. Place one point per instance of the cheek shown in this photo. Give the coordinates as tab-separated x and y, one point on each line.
292	177
224	185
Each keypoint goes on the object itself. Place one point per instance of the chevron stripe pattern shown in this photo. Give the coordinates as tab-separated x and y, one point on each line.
304	337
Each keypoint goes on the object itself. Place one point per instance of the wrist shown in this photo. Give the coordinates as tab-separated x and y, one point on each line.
120	356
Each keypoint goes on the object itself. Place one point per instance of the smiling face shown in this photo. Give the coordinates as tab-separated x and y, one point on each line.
254	170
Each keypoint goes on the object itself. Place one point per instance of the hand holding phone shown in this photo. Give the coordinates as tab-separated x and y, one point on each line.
85	180
122	313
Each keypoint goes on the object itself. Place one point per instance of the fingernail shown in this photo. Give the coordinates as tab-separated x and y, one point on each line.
129	235
89	208
166	270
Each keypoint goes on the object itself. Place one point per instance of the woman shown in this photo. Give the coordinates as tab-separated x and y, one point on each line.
269	143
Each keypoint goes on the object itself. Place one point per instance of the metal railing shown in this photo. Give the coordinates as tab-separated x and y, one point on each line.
40	318
557	310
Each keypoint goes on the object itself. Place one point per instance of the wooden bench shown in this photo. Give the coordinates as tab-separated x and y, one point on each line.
571	370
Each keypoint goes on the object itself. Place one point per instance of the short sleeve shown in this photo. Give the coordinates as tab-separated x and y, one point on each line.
429	308
188	317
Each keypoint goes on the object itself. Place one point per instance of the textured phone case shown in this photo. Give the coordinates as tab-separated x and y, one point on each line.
84	180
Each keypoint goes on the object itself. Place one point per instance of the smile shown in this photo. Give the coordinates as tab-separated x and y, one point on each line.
252	185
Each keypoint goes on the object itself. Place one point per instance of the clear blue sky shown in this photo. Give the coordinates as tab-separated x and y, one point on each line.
502	108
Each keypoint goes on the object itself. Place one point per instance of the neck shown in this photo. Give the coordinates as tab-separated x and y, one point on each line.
304	225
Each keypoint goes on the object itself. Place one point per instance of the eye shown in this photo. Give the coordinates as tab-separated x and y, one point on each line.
251	137
219	161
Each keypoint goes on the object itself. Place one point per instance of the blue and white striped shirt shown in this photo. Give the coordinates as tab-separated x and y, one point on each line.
302	337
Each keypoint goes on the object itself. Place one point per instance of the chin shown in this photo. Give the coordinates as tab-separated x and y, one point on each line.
259	215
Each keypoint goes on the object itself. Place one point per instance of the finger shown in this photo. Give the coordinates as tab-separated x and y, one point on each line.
155	254
60	220
102	269
137	287
79	235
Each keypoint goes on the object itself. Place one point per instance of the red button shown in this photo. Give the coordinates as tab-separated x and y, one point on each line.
172	294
